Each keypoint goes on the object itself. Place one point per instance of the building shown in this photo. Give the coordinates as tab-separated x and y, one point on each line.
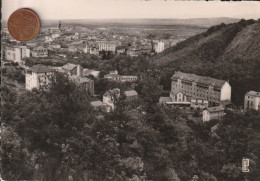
54	30
91	49
186	87
16	54
94	73
158	46
110	97
72	69
107	46
214	129
165	100
37	76
213	113
130	95
202	104
252	100
55	35
55	46
48	39
113	75
88	84
40	52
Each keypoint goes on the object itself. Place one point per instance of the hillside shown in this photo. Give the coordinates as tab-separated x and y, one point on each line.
229	52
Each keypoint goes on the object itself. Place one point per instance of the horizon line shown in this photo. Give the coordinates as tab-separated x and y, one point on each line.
146	18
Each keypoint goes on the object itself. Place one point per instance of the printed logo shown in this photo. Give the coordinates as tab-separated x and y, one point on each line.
245	165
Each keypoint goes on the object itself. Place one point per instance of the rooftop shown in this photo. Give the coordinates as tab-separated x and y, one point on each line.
165	99
199	79
39	48
40	69
69	66
253	93
215	127
215	109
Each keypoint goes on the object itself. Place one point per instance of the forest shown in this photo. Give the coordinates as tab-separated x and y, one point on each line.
54	134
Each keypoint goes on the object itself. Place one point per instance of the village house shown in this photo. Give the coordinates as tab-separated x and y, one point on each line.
113	75
186	87
75	73
94	73
37	76
110	97
213	113
16	54
72	69
40	52
213	130
252	100
88	84
130	95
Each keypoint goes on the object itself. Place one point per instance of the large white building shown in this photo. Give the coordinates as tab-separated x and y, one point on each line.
186	87
16	54
37	76
107	46
252	100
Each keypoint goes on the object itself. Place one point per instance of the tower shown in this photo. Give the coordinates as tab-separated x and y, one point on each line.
59	25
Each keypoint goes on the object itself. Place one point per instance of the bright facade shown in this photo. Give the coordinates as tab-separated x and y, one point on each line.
213	113
37	76
186	87
252	100
16	54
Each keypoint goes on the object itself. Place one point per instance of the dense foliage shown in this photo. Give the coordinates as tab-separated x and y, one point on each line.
54	134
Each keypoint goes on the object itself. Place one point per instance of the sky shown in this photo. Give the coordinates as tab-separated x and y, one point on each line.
110	9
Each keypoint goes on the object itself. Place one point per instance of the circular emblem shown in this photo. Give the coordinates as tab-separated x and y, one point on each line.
23	24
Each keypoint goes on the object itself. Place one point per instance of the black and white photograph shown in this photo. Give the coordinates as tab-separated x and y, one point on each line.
130	90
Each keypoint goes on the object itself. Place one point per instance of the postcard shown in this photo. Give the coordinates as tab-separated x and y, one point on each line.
135	90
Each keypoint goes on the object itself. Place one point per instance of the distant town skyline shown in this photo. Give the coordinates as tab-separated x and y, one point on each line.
133	9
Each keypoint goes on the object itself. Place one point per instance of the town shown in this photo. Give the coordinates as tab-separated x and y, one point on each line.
198	92
97	94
